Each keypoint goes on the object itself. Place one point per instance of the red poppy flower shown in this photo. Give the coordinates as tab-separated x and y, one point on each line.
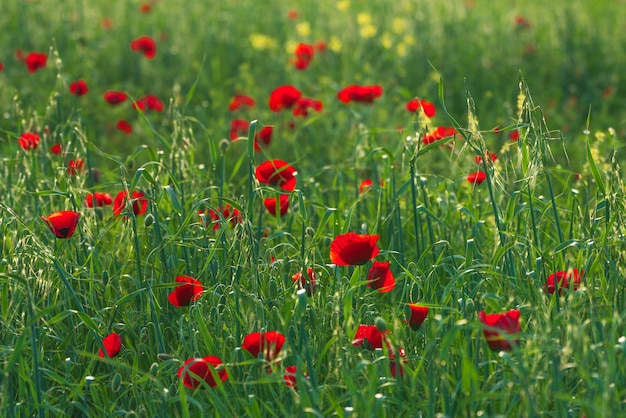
522	22
304	55
320	46
29	140
507	322
566	280
270	205
186	293
395	366
302	282
79	87
284	97
277	173
1	66
56	148
427	107
115	97
490	157
238	127
241	101
98	199
196	370
369	337
214	216
292	14
112	344
476	178
146	45
149	102
363	94
138	200
62	223
145	8
124	126
365	185
269	343
264	136
380	277
353	249
418	315
75	166
514	135
438	133
304	104
290	376
35	61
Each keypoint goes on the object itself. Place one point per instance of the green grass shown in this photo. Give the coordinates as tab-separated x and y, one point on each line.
553	200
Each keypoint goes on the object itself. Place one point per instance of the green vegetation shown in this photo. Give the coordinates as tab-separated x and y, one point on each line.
551	201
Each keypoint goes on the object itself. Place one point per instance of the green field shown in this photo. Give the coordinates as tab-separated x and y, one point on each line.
293	240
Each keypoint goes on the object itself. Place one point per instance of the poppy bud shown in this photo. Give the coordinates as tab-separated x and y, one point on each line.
148	220
224	145
105	277
116	382
154	369
381	325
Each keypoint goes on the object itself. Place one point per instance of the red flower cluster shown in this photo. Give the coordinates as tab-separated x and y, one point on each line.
79	87
380	277
198	370
35	61
75	166
138	201
290	376
29	140
240	101
146	45
267	343
353	249
438	133
304	55
476	178
362	94
149	102
418	315
507	323
564	280
514	135
112	344
284	97
427	107
300	280
184	294
303	105
115	97
215	216
489	156
62	223
98	199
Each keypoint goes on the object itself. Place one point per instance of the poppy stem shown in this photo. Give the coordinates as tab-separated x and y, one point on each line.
417	227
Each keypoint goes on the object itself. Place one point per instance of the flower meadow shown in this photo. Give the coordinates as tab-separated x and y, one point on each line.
312	209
